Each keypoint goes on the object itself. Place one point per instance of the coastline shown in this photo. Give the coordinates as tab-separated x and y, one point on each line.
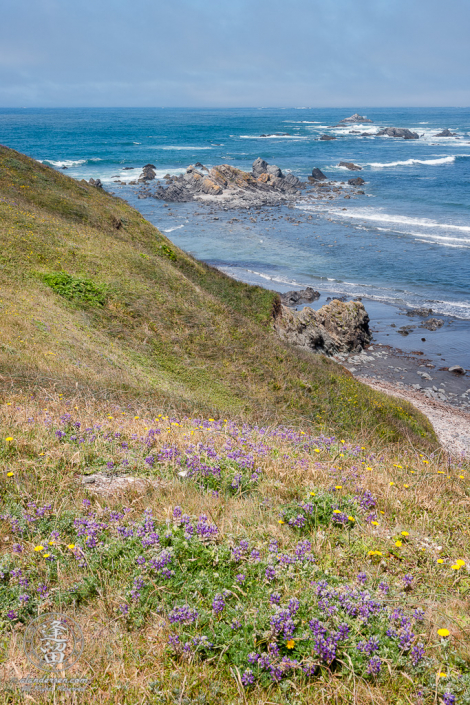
452	426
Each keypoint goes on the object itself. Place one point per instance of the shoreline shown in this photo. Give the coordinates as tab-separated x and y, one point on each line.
444	418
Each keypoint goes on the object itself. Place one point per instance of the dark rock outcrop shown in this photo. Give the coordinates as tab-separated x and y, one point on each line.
259	167
327	138
148	173
423	312
446	133
457	370
398	132
304	296
336	327
358	181
96	183
354	118
318	175
351	166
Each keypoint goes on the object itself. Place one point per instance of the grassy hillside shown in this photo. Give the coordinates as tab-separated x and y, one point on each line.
229	521
95	299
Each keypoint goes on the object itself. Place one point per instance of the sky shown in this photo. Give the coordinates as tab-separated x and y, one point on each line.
234	53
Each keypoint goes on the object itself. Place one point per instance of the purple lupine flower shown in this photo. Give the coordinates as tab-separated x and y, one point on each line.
124	608
248	678
418	614
369	646
408	579
177	512
140	560
448	699
24	598
17	548
270	572
253	657
362	578
11	615
218	603
183	615
264	661
240	578
417	653
374	666
235	624
42	590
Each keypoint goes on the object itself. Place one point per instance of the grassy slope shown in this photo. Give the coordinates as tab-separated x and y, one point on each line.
173	332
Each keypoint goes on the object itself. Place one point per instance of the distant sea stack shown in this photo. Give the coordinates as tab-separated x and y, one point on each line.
356	118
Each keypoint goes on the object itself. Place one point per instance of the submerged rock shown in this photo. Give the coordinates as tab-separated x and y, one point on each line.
335	328
423	312
398	132
432	324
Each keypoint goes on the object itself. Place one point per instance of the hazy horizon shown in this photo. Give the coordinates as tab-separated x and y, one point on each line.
195	54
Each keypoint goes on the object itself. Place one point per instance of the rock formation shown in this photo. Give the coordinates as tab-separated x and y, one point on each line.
264	185
148	173
305	296
334	328
358	181
351	166
317	175
446	133
398	132
354	118
326	138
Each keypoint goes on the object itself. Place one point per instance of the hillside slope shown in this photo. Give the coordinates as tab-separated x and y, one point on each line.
95	300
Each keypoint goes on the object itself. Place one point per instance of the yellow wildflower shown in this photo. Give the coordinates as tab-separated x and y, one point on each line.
440	560
375	523
46	555
10	474
443	632
290	644
442	675
456	567
71	546
10	438
281	521
404	533
460	562
336	511
398	544
351	519
316	450
39	548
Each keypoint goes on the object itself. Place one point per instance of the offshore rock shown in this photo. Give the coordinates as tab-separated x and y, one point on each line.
358	181
354	118
350	166
305	296
148	173
96	183
398	132
446	133
264	185
326	138
318	175
335	328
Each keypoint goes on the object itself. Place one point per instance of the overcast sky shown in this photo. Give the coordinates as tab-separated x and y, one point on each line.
228	53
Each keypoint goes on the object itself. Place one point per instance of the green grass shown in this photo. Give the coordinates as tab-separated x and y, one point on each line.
94	298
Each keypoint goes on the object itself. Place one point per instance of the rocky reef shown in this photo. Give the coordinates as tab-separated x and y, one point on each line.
398	132
335	328
230	187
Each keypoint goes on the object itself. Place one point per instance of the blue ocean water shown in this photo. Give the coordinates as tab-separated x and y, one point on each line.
407	241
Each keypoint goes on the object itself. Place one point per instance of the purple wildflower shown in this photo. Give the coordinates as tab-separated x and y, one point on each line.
374	666
218	603
248	678
362	578
417	654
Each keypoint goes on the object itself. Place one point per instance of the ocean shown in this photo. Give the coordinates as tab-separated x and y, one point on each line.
405	243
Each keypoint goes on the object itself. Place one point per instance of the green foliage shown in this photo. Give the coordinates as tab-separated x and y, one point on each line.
168	252
75	289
